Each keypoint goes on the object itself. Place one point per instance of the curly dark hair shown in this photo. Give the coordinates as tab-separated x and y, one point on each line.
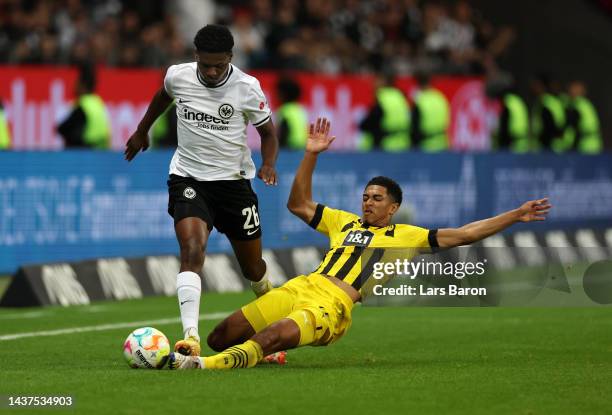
393	189
214	38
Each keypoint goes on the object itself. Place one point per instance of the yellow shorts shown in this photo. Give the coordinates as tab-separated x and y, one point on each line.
320	309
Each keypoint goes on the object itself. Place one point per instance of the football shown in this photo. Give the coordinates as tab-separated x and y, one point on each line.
146	348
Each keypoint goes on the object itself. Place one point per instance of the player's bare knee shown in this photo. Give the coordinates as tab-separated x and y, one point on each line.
291	332
192	254
227	333
216	339
290	335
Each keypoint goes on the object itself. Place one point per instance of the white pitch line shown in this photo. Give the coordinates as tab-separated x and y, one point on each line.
30	314
103	327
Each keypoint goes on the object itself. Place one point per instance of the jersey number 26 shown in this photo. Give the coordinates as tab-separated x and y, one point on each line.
252	218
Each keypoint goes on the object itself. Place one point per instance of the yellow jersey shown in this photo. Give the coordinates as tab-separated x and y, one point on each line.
356	247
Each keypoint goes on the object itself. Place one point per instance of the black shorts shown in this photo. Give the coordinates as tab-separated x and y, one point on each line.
229	205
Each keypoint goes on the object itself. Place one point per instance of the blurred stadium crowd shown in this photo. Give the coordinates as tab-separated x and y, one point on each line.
385	37
328	36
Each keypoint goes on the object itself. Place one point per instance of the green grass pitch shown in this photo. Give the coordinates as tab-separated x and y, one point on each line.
393	360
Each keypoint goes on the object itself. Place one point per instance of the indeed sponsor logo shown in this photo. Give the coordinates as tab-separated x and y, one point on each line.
200	116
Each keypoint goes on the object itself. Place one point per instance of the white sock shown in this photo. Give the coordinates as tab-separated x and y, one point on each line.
188	290
191	332
262	286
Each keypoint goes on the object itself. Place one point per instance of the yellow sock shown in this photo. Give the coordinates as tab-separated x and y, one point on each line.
247	354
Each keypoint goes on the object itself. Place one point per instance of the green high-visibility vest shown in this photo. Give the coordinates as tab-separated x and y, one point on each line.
563	141
518	123
5	135
97	126
435	115
564	98
297	124
588	132
395	120
161	126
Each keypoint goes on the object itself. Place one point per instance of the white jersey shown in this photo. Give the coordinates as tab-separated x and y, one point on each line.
212	123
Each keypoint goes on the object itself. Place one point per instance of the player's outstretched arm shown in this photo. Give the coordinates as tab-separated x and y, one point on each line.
140	139
269	153
533	210
300	201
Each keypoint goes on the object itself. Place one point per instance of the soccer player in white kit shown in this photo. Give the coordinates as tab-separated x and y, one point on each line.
210	172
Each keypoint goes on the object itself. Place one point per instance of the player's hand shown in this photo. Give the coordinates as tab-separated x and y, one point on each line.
268	175
318	136
534	210
138	141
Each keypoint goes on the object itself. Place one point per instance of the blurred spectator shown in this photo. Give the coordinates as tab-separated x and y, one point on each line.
88	124
5	135
108	32
248	41
512	132
292	119
163	132
386	125
317	35
151	40
282	42
582	120
190	16
430	117
548	117
450	38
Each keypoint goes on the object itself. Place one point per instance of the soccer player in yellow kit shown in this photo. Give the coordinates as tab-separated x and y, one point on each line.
316	309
